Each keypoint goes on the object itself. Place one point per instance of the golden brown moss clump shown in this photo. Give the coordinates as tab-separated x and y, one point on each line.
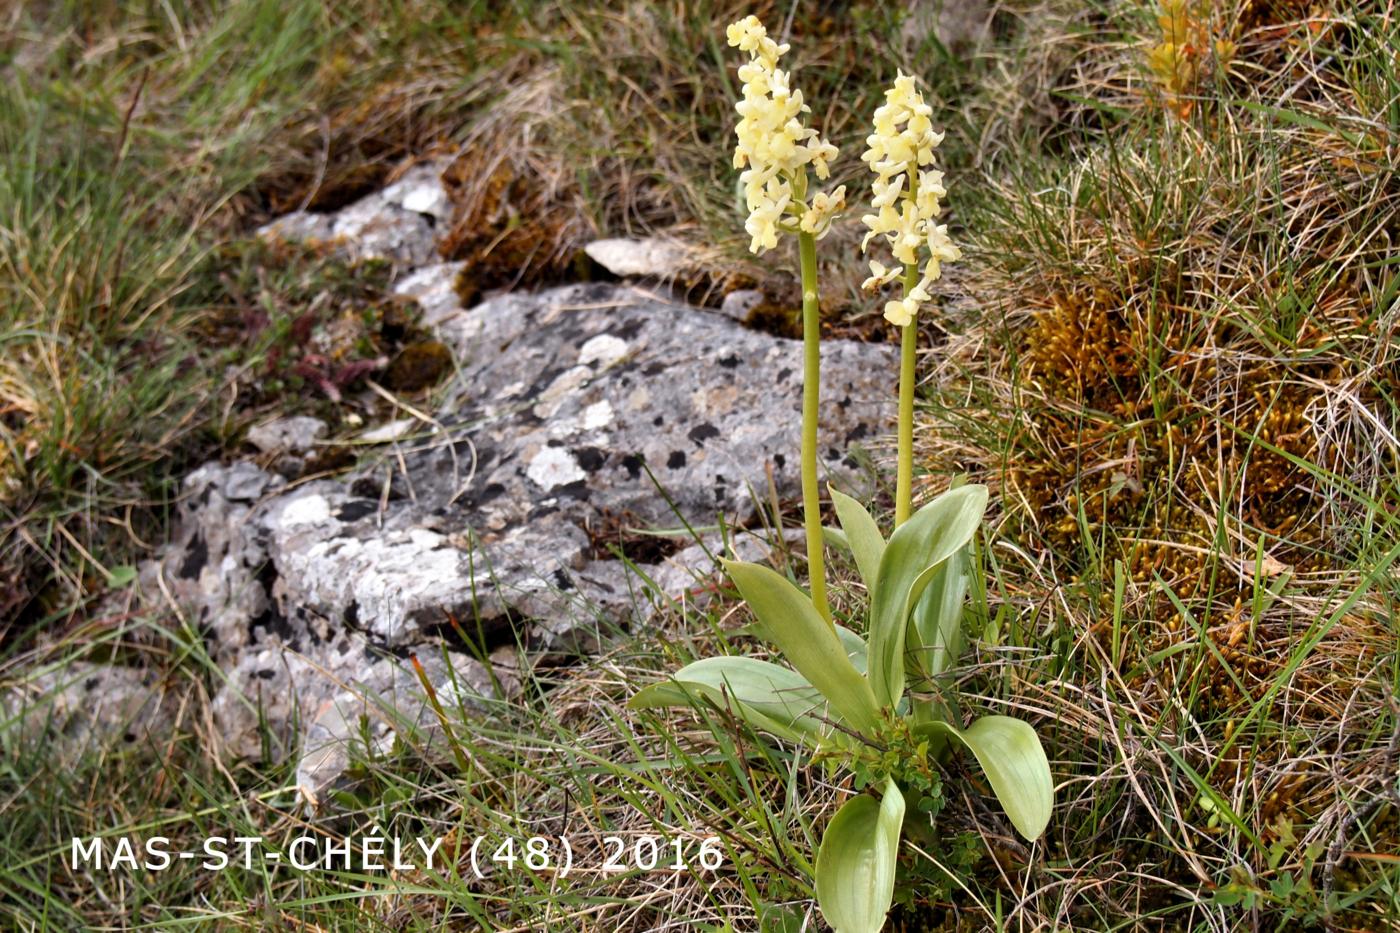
513	221
418	366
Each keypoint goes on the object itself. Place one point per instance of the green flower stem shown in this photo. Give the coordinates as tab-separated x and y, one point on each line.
811	396
904	475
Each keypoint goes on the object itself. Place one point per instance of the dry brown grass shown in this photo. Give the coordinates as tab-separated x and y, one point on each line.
1187	364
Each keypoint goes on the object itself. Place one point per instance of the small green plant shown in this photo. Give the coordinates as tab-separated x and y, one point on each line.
878	704
1182	59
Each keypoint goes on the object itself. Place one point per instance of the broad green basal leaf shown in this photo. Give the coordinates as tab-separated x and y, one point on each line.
856	862
776	693
855	647
787	618
866	543
676	693
1010	754
835	538
912	556
935	627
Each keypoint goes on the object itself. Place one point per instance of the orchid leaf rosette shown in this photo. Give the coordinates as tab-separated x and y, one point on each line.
846	697
775	149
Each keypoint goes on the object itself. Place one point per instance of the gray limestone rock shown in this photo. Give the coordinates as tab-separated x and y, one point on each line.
295	435
738	304
214	564
580	417
286	442
433	288
85	704
577	408
650	257
243	566
396	223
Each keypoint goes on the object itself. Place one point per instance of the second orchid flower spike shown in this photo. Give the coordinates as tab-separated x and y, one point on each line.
907	197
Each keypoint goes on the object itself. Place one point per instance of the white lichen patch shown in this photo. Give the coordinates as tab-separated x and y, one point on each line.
425	538
604	349
553	466
594	417
597	416
306	510
420	190
648	257
426	199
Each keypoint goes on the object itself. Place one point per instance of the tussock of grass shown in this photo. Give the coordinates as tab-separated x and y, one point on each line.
1183	390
